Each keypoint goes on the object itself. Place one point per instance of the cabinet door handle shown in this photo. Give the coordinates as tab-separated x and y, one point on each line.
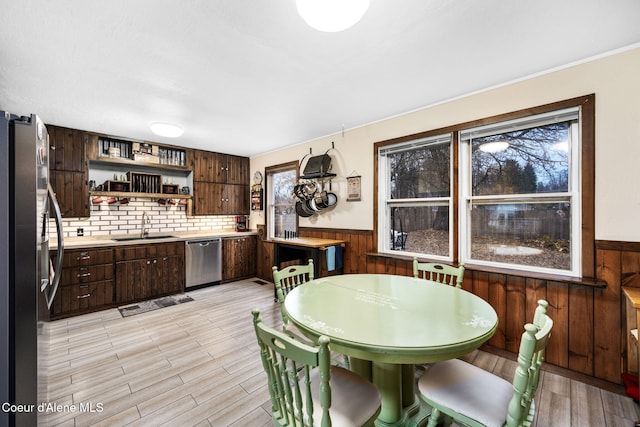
83	296
155	261
84	274
83	256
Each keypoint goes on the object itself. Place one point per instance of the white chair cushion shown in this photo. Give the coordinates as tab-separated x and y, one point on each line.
354	400
468	390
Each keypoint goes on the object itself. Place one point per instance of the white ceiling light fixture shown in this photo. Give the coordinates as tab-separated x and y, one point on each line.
166	129
332	15
494	146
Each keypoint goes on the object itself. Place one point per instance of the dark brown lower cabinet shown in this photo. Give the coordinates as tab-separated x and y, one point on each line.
149	271
238	257
86	283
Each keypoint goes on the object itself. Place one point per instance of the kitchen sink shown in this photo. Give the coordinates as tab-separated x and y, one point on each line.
126	239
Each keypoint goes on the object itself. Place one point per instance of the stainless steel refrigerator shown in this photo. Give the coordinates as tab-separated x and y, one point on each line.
28	281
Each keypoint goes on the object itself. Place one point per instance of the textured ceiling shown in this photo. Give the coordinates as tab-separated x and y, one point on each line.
247	76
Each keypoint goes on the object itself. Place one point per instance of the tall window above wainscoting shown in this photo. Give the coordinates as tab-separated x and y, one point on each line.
514	191
281	219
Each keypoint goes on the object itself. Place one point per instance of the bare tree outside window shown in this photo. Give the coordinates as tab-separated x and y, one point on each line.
282	203
521	207
514	196
420	187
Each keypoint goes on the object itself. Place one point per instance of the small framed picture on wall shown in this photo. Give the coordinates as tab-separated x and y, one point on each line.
353	188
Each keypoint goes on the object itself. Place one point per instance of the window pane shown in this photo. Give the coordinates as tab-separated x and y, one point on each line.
526	234
282	202
284	220
527	161
420	173
421	229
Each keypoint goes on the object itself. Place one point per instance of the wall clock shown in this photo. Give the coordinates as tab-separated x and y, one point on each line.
257	178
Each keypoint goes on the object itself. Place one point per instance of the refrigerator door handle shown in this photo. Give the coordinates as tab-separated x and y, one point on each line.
58	267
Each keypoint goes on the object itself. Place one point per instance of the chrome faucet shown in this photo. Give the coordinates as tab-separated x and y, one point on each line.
146	225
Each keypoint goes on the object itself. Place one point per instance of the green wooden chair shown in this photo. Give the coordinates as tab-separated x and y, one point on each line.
475	397
306	390
439	272
285	281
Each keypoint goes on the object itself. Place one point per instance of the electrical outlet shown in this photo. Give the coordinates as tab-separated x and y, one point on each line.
80	232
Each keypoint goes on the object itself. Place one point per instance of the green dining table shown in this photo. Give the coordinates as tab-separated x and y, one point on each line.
387	324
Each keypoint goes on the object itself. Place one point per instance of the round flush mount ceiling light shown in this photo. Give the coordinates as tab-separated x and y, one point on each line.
166	129
332	15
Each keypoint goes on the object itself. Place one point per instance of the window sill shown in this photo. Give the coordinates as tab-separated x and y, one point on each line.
578	281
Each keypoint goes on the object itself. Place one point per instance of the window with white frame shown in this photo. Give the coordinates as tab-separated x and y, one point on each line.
515	191
415	204
520	191
281	212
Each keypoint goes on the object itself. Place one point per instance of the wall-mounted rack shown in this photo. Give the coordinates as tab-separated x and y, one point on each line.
318	167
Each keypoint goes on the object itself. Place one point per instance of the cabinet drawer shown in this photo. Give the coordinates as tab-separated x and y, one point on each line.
85	274
82	297
80	257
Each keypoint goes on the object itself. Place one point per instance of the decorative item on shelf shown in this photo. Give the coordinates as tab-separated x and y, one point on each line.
147	158
111	200
262	231
185	190
183	202
170	188
354	187
145	152
171	202
114	148
114	152
96	200
119	186
145	182
124	201
256	199
162	202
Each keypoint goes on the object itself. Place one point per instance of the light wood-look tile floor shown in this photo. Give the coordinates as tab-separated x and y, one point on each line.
197	364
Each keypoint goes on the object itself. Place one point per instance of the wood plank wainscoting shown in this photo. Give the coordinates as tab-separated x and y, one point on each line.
588	340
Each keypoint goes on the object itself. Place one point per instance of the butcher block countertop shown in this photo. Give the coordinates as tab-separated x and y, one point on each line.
309	242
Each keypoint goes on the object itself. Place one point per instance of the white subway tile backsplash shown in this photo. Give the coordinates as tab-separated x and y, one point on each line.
124	219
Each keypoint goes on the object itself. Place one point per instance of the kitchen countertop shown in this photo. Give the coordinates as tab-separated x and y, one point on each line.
112	240
311	242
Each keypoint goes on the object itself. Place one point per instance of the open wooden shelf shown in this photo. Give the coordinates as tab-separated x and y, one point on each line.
138	194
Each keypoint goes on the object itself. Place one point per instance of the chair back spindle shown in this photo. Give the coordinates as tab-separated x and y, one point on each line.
440	273
299	379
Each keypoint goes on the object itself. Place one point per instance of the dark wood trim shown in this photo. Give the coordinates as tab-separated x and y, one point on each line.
305	230
587	129
267	171
588	191
580	281
615	245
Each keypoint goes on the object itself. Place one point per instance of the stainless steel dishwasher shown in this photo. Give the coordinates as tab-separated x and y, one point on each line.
203	262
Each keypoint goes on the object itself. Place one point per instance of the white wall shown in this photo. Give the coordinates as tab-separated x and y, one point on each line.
615	79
